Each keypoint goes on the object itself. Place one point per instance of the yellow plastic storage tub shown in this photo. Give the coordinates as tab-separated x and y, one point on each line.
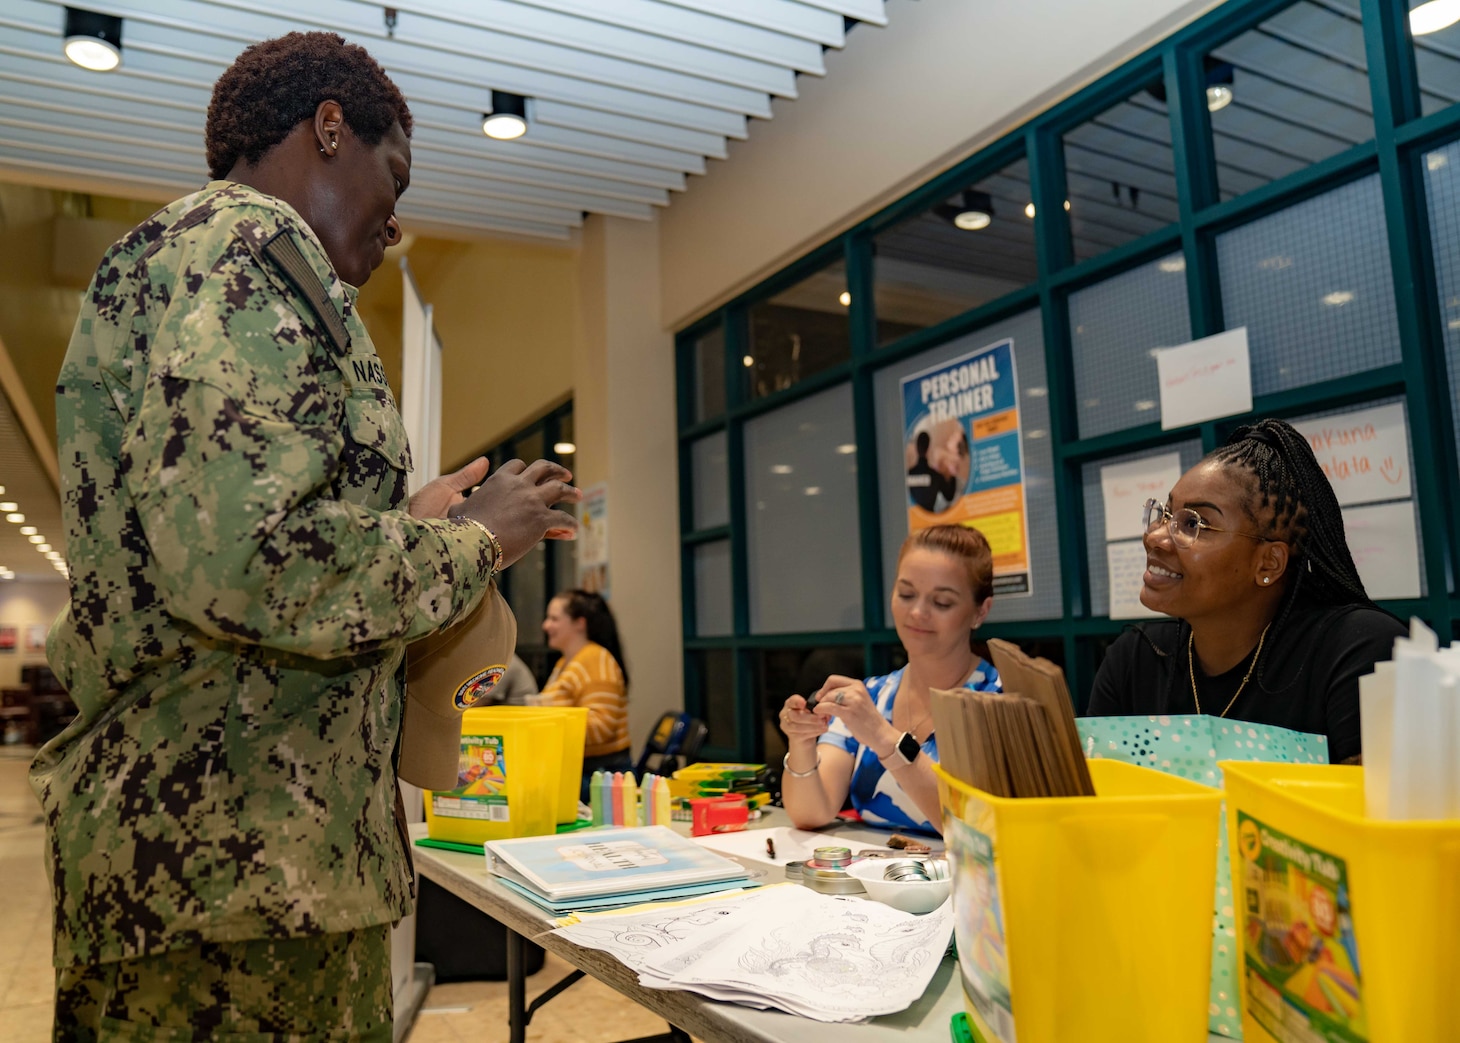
507	782
1348	927
1085	918
575	729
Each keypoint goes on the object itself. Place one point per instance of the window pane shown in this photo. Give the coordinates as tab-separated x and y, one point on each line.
930	267
528	595
713	591
1115	326
530	446
1120	174
565	557
709	460
1288	93
715	669
1437	61
1027	330
1313	287
1442	187
804	539
799	332
1095	515
708	359
783	672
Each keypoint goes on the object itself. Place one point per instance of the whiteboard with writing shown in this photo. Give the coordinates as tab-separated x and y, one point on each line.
1381	539
1205	379
1127	564
1364	453
1126	487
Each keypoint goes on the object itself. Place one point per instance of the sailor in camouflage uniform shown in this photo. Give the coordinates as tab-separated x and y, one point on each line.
224	833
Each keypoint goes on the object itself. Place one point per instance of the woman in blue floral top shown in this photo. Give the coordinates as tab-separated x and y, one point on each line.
873	740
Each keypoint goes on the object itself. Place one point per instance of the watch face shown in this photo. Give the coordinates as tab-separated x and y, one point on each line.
908	747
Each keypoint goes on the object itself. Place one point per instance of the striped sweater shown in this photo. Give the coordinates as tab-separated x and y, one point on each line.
593	678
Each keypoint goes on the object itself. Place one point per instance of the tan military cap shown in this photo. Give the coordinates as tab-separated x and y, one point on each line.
446	675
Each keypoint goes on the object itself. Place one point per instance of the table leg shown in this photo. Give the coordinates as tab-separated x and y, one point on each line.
516	988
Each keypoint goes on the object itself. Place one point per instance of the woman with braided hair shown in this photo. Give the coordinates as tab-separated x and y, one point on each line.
1270	623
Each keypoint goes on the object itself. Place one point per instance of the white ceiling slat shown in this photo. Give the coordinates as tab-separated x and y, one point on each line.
443	20
715	31
782	16
862	10
627	97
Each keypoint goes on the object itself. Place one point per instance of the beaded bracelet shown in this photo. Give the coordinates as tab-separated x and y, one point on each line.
491	538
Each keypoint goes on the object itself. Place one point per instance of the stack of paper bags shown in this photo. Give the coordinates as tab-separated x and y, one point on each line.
784	947
1021	743
1190	747
1410	714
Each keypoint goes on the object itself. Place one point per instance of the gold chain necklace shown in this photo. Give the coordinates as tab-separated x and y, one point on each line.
1191	669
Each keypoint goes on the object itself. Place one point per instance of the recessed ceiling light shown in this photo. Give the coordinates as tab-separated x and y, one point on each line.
812	490
1067	205
9	505
1029	210
781	468
45	548
1144	404
844	299
54	555
1219	96
93	41
1173	264
564	448
28	530
15	517
37	538
846	449
1434	161
749	361
973	212
1434	16
1338	298
508	118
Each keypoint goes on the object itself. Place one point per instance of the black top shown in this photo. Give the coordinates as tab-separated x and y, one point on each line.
1307	680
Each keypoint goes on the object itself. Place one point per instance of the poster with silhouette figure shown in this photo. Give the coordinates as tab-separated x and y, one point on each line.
964	458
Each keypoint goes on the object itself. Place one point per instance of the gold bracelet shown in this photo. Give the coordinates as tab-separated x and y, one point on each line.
491	538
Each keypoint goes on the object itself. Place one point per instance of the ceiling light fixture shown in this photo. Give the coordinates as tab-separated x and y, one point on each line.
15	517
508	118
1219	96
93	41
37	539
1029	211
1217	77
844	299
564	448
749	361
1434	16
9	505
1338	298
45	548
973	212
28	530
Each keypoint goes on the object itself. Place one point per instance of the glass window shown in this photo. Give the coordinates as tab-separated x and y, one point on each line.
783	672
1442	187
969	249
1120	174
1115	328
1095	542
714	593
1436	55
710	463
528	595
1312	285
1027	331
1288	93
714	668
803	534
708	360
799	331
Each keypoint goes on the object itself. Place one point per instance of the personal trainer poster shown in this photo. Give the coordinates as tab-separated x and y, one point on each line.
963	456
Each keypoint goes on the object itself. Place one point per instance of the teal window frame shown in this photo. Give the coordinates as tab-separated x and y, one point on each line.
1401	137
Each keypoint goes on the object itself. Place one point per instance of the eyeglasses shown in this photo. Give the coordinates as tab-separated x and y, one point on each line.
1186	525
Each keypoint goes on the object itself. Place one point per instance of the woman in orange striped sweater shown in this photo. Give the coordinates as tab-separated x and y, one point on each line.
590	673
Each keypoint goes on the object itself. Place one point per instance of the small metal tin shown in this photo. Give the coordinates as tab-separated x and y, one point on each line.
832	857
905	869
793	870
831	882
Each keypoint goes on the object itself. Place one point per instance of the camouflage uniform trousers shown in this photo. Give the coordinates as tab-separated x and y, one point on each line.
326	987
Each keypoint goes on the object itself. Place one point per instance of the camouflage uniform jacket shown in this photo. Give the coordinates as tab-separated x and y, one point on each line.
243	585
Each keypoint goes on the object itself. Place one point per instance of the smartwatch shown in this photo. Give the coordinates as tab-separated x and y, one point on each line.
905	752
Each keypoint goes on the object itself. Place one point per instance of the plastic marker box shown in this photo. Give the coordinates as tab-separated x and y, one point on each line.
1348	927
1085	918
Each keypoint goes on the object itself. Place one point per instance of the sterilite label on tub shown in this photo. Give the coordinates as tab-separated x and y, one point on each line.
1302	961
481	783
978	925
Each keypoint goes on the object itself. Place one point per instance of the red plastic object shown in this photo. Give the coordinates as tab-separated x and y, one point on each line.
724	814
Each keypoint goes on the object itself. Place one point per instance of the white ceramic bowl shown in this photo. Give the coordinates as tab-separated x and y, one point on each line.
911	896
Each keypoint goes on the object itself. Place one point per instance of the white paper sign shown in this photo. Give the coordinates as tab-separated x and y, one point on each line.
1381	539
1205	379
1126	562
1126	488
1364	453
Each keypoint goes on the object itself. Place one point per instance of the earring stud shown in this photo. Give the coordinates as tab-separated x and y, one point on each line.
1267	579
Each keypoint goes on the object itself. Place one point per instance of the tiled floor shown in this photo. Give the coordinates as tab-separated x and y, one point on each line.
589	1012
